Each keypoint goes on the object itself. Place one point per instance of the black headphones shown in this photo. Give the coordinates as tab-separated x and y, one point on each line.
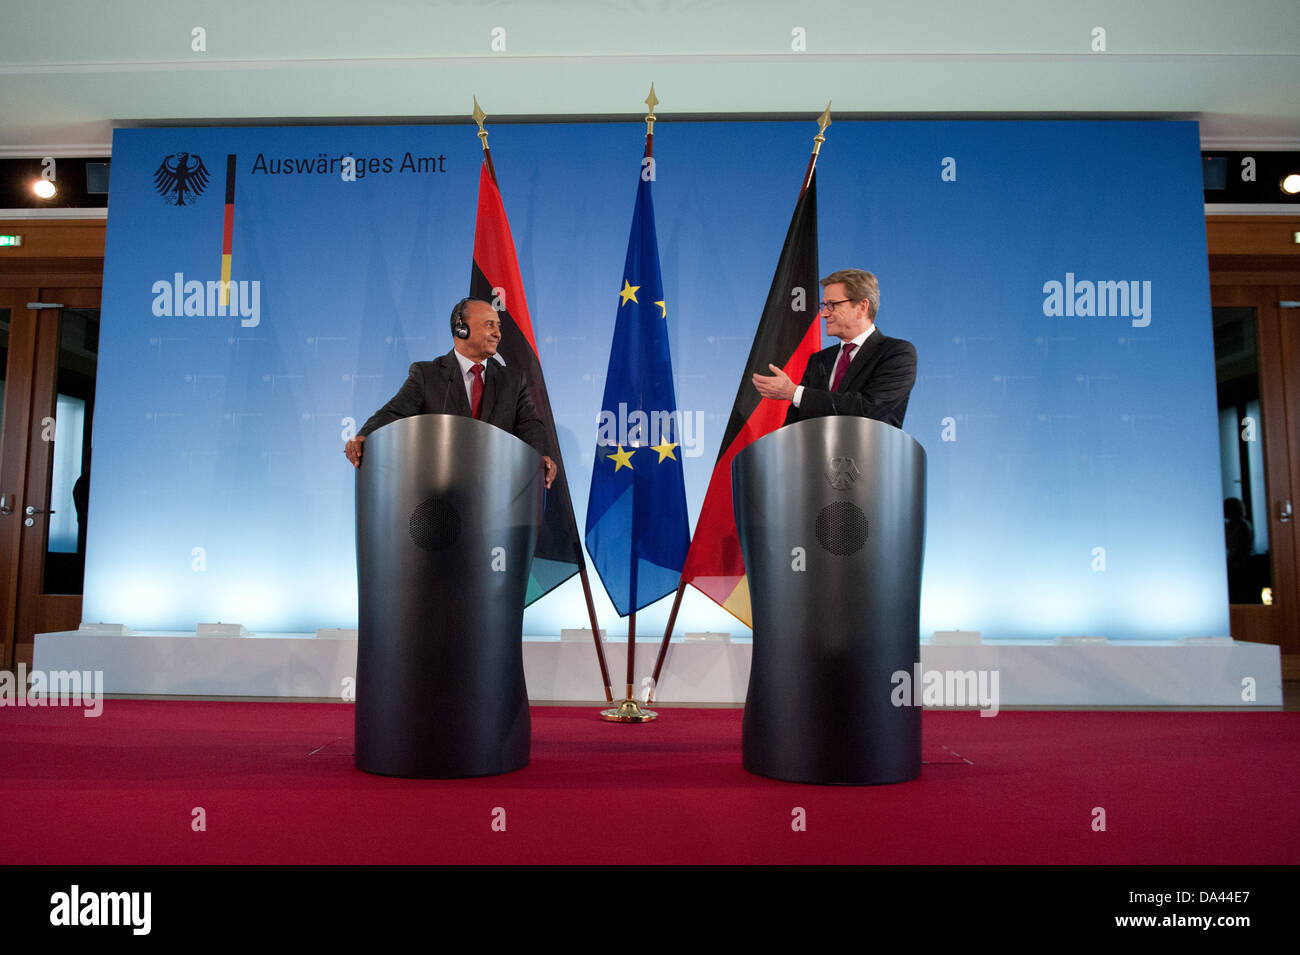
459	327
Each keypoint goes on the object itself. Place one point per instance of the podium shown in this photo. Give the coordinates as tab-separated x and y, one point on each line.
831	517
448	510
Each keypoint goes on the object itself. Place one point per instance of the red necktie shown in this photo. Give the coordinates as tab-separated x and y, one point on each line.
846	356
476	391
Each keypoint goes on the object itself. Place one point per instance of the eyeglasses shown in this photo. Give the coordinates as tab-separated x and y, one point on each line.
831	306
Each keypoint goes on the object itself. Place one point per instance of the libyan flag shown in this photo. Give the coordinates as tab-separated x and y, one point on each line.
495	278
789	333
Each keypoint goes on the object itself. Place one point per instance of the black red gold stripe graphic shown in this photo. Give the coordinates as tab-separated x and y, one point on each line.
228	230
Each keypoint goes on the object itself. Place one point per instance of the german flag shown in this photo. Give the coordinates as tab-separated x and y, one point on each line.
788	334
495	278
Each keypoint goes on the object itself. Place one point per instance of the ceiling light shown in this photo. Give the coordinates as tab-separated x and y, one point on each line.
1291	184
44	188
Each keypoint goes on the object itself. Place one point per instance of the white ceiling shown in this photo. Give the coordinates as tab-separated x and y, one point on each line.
70	71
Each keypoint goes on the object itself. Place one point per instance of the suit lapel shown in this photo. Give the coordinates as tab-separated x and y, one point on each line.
457	402
862	360
826	357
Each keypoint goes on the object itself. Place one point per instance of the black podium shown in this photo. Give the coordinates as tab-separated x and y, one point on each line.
447	516
831	515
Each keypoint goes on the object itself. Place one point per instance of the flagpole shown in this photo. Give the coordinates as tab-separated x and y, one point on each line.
631	650
595	631
823	121
479	116
629	711
663	645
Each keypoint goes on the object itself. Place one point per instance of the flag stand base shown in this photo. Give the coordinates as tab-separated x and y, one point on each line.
629	711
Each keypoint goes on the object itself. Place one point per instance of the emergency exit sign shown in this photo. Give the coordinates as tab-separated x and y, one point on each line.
10	241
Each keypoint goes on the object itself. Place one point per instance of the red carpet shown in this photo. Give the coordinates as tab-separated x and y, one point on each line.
277	785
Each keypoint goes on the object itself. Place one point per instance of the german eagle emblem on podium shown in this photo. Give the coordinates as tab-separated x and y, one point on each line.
842	473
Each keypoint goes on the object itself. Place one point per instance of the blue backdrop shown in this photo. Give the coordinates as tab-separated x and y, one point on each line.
1070	428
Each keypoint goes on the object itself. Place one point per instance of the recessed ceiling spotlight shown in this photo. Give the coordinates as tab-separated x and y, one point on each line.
44	188
1291	184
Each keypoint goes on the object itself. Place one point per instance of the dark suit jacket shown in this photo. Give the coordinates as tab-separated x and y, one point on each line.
877	384
436	387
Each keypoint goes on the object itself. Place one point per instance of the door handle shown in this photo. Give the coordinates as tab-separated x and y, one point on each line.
29	511
5	506
1283	512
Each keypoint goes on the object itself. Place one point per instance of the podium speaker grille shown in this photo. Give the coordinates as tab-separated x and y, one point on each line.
842	528
434	525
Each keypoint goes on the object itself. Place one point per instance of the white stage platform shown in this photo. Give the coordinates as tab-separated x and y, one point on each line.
1028	673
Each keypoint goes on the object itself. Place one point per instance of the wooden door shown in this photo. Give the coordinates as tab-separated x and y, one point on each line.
1257	351
52	340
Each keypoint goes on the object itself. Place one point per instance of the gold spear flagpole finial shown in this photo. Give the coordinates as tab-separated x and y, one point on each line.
823	121
479	116
651	101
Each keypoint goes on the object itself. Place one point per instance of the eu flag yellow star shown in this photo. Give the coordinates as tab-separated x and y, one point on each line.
663	309
622	459
629	292
665	449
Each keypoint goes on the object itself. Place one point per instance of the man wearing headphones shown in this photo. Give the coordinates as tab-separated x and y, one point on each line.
466	381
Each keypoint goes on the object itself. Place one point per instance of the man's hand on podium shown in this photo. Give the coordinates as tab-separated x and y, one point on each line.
551	469
353	450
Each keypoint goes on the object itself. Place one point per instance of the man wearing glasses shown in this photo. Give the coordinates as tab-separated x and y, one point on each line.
867	374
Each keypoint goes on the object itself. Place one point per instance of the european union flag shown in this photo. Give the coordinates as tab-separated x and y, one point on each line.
637	529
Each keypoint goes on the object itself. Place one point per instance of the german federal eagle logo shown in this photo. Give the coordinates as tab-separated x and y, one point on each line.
842	473
180	175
